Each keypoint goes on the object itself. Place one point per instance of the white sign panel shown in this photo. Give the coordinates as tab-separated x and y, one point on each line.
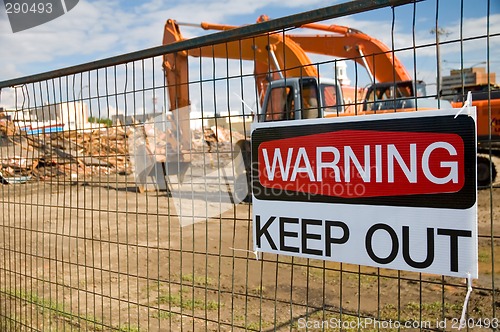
394	190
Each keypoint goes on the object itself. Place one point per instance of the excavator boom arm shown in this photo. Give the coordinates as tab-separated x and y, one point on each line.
263	50
345	42
380	61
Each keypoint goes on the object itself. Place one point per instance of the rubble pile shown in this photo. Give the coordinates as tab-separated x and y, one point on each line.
69	154
210	138
105	150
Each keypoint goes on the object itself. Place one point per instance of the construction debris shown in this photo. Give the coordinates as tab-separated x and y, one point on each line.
14	179
214	137
106	150
70	153
210	138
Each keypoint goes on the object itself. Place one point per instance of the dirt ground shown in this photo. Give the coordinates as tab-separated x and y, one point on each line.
97	255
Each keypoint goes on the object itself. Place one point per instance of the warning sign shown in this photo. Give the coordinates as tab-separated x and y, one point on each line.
392	190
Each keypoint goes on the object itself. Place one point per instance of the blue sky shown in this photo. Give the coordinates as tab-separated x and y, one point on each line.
98	29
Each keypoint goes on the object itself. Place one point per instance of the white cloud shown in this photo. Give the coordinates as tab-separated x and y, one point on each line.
98	29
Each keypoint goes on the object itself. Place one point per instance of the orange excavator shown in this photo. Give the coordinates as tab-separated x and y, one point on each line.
278	56
288	82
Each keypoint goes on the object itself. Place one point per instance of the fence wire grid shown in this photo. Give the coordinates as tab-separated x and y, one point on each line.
126	210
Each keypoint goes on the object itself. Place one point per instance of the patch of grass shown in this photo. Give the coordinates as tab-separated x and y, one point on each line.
258	326
162	314
200	304
128	328
389	311
173	300
364	279
259	290
54	309
43	304
434	307
154	286
187	302
239	318
412	311
198	280
483	256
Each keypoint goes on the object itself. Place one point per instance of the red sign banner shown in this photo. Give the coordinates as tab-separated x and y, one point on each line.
374	163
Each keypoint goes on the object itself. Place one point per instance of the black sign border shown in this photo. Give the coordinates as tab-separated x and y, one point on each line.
463	125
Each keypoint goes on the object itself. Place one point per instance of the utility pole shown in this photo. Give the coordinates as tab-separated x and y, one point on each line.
438	32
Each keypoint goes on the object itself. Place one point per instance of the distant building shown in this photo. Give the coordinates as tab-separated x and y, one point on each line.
464	77
66	116
73	115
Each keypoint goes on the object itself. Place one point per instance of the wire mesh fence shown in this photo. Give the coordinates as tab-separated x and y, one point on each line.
125	184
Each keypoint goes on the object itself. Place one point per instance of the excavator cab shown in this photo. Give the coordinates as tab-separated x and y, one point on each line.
301	98
393	95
